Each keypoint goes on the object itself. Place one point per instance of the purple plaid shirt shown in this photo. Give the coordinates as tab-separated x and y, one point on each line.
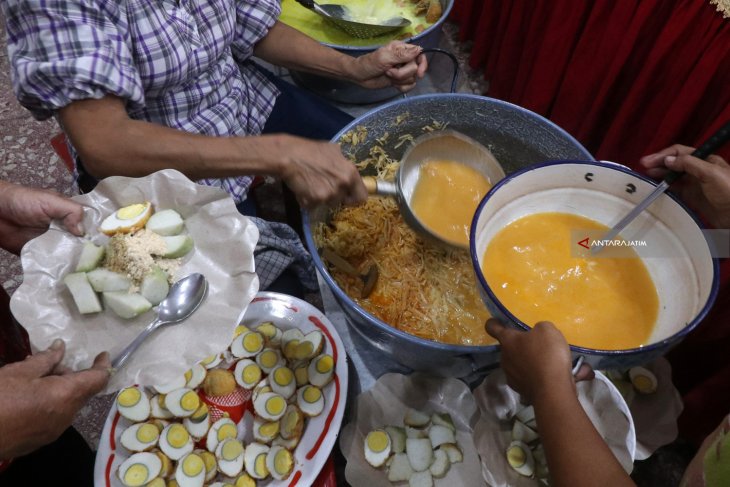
180	63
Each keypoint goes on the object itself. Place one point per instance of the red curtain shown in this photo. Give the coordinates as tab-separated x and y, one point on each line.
626	78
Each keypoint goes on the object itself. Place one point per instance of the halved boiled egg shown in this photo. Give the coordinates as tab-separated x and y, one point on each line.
139	469
133	404
229	454
182	402
198	423
240	330
279	462
219	431
269	358
176	383
211	465
247	344
282	381
272	334
127	220
254	458
175	441
211	361
310	400
190	471
643	380
289	444
291	424
195	376
310	345
290	340
158	409
377	447
301	373
157	482
321	370
265	431
260	388
520	458
247	373
140	437
167	466
270	406
244	480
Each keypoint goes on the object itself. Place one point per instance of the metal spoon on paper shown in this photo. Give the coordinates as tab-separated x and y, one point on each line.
341	16
183	299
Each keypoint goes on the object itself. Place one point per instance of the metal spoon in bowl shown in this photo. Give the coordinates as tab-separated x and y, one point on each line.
183	299
341	17
444	145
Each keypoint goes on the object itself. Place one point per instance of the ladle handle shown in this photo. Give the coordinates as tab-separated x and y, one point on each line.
376	186
124	355
307	3
716	140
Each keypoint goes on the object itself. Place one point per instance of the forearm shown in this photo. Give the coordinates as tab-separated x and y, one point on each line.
110	143
287	47
576	453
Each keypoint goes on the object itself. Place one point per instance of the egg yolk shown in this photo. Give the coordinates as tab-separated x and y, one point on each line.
252	342
161	401
251	374
245	481
268	358
377	441
190	401
290	420
642	383
129	397
166	463
275	405
312	394
303	350
516	456
269	430
231	450
157	482
227	431
147	433
267	329
188	375
291	348
193	465
260	465
208	460
302	375
207	361
325	364
240	329
283	376
136	475
283	461
200	414
132	211
177	436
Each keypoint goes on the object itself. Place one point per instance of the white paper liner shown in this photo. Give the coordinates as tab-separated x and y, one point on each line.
655	415
498	404
386	403
224	244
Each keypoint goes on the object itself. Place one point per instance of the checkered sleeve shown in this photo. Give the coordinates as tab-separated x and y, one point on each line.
66	50
254	18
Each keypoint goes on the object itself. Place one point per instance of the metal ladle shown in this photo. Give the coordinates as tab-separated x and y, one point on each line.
183	299
341	17
440	145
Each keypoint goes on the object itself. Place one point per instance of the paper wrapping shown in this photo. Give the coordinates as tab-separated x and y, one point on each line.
224	244
386	403
498	404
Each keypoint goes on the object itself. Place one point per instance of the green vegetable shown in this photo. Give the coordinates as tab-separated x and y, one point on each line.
90	259
177	246
103	280
154	286
83	294
126	305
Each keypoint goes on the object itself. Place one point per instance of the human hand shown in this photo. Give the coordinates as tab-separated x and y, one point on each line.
706	185
536	360
26	213
39	398
318	174
397	64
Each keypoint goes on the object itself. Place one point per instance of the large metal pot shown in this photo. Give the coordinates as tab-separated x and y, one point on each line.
516	137
345	92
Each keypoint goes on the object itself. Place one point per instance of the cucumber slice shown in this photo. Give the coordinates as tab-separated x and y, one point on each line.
126	305
83	294
166	222
90	259
177	246
104	280
154	286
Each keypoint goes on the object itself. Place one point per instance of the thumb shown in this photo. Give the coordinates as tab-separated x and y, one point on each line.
702	170
399	52
43	363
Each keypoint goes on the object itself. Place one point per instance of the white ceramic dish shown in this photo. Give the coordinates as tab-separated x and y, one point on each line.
677	256
320	432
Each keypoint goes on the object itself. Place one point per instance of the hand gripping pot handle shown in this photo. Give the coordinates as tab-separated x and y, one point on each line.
716	140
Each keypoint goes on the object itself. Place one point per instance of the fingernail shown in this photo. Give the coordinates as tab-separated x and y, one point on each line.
80	228
57	344
669	160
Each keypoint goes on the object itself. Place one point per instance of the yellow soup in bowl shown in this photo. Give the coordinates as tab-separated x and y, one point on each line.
534	269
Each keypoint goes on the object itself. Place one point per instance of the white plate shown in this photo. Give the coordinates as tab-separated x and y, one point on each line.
320	432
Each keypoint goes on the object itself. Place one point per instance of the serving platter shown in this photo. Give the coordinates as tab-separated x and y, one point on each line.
320	433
